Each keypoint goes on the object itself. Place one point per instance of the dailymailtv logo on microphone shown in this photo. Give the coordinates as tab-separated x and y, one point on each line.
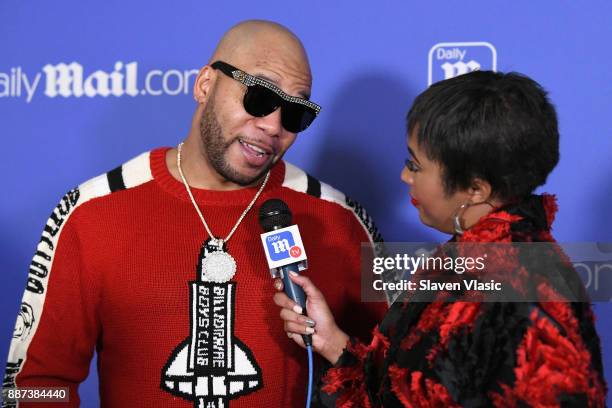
283	246
448	60
280	245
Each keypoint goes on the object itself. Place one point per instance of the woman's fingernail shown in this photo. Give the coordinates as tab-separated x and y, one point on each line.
309	330
309	322
297	309
292	273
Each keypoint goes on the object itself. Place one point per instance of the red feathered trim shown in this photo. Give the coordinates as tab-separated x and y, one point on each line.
546	236
410	340
356	398
337	378
549	201
358	349
493	227
431	316
456	316
554	304
460	314
349	381
549	364
506	399
563	315
379	341
447	318
413	391
429	320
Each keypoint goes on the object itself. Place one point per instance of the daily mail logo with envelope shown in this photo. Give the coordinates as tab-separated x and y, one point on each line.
283	247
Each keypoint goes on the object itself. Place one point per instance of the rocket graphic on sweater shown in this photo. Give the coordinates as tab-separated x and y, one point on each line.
211	366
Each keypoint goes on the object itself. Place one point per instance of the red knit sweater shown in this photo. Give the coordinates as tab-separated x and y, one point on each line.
112	273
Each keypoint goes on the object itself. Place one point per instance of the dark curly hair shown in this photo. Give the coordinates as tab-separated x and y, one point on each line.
498	127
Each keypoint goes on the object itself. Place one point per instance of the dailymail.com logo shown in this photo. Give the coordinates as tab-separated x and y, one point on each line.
73	80
282	246
448	60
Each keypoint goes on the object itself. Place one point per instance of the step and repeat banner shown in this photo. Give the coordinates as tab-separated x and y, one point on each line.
85	86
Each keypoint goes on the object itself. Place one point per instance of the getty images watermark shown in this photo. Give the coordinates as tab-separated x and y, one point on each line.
495	272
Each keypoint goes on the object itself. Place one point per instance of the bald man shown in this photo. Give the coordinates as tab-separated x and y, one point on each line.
158	264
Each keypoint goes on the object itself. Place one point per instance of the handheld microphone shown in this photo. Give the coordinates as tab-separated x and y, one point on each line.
284	250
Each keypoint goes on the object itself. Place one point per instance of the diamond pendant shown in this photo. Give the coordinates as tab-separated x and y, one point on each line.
218	266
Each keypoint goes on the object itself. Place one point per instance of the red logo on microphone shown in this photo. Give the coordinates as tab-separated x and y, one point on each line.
295	251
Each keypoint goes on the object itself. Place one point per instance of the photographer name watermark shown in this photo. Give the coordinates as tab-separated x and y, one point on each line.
495	272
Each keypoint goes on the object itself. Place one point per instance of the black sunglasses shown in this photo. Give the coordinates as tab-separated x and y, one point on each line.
262	98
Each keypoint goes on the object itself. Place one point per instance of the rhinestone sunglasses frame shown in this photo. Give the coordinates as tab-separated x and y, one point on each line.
250	80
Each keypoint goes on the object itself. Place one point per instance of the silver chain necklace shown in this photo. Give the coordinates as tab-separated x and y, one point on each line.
219	266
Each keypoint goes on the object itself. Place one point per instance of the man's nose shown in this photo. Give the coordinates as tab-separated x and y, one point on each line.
270	124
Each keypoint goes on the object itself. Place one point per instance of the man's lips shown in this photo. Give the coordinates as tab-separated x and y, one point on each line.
256	147
414	201
256	155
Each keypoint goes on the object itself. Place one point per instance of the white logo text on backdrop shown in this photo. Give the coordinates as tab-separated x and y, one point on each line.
71	80
448	60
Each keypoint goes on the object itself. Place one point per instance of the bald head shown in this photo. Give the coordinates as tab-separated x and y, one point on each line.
253	42
229	130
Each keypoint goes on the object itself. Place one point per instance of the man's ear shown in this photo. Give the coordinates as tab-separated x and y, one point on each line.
480	191
203	84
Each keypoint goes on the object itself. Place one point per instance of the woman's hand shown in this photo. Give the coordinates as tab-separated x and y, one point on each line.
327	338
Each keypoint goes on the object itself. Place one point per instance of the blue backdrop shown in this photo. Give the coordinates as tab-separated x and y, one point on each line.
368	61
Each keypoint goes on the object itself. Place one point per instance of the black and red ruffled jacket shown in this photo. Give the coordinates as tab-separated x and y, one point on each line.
458	353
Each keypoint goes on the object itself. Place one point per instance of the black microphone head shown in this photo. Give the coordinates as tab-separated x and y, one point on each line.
274	214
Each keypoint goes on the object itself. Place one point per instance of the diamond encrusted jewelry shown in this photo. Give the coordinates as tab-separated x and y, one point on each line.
218	266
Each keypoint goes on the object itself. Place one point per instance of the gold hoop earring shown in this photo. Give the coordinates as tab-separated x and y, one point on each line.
458	215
